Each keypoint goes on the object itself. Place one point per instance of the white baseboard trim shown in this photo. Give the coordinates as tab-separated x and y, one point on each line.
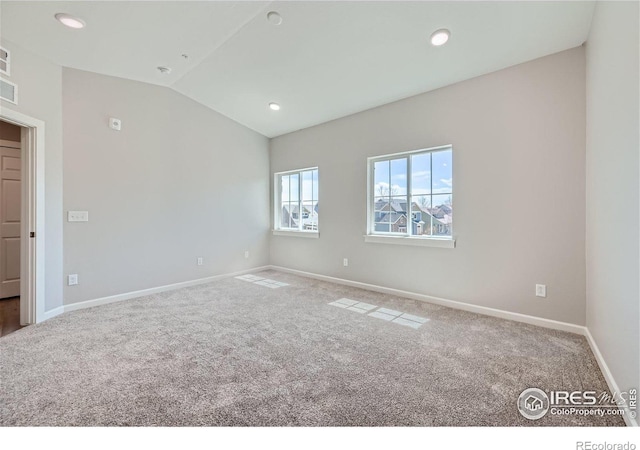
49	314
155	290
532	320
611	382
539	321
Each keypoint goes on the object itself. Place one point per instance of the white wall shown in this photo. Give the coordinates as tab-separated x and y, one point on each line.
178	182
613	118
40	96
519	197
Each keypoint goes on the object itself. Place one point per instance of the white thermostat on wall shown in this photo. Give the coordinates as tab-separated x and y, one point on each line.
115	124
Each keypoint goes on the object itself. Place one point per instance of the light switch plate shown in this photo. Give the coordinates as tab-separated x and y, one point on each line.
77	216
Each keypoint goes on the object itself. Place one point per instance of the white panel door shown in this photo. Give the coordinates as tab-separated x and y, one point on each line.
10	188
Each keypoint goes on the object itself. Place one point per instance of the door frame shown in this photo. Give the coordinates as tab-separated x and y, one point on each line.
32	280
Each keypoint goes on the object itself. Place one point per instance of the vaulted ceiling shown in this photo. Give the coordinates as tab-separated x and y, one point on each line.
324	61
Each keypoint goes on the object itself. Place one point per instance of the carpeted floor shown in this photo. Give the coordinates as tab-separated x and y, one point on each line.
239	353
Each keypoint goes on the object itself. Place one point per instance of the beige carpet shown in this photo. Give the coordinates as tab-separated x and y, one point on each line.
239	353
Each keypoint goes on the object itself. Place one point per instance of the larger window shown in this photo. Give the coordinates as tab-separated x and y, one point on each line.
296	200
411	194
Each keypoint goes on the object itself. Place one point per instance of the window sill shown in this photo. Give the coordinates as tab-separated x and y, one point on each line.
405	240
303	234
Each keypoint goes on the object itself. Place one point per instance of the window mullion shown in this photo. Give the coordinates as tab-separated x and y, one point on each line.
290	208
299	201
277	194
389	199
371	227
431	194
409	198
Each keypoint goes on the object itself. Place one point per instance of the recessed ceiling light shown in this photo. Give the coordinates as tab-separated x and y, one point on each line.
274	17
70	21
164	70
440	37
274	106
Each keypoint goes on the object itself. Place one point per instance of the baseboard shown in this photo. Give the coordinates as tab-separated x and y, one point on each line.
49	314
533	320
611	382
546	323
155	290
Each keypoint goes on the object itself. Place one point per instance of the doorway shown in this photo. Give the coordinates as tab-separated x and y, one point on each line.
31	240
10	226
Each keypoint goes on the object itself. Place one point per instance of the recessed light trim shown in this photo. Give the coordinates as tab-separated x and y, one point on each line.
274	106
440	37
274	17
69	21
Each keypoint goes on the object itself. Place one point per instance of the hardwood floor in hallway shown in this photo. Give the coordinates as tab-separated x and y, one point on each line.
9	315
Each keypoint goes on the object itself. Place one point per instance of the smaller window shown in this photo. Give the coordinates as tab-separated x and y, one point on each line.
296	200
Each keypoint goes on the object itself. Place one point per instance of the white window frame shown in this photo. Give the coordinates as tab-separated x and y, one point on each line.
402	238
277	205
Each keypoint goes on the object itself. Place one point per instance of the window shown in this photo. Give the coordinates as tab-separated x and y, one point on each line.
411	194
296	201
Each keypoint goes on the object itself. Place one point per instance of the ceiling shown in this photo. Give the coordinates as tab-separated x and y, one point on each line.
326	60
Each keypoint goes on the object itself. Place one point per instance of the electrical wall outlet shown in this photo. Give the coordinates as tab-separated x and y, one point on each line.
246	254
200	261
72	279
345	262
541	290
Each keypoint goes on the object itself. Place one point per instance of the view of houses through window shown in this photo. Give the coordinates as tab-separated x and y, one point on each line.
298	200
413	193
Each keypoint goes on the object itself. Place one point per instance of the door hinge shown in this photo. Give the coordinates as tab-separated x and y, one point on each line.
32	234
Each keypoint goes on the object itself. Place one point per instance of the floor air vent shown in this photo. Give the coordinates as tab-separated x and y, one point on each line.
4	61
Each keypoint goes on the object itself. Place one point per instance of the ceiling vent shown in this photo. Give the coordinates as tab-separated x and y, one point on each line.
5	61
8	91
